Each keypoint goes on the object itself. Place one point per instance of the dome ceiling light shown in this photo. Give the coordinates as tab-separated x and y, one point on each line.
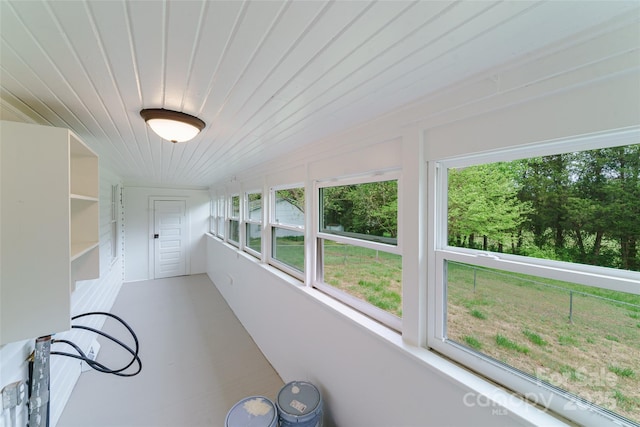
172	125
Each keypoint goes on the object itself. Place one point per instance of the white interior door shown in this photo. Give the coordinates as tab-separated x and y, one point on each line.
170	238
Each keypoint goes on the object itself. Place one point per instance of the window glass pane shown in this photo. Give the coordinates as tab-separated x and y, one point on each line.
288	247
220	228
368	274
367	211
220	217
578	207
289	206
254	206
582	339
234	231
212	217
254	237
221	206
235	206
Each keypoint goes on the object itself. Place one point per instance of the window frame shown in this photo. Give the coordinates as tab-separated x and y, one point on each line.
247	221
358	304
273	226
559	400
234	217
212	215
220	217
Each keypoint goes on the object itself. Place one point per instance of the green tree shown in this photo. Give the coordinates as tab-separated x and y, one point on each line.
585	202
337	206
626	193
482	201
375	208
295	196
579	207
604	206
544	183
588	205
621	169
368	208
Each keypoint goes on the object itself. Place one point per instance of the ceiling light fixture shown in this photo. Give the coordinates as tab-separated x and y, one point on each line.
172	125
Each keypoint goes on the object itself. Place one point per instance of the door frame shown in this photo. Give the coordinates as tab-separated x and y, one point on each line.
151	252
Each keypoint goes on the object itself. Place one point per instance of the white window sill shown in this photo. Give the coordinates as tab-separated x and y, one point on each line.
481	392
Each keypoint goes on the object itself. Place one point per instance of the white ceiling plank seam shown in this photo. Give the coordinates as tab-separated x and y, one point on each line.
125	119
272	78
305	89
295	41
348	21
252	57
232	35
155	165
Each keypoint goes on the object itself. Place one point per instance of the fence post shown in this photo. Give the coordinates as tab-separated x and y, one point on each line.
475	270
571	306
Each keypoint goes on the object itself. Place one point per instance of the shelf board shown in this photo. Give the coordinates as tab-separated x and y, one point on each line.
82	197
79	249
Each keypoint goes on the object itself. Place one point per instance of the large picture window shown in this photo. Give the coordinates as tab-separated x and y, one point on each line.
287	220
359	260
536	282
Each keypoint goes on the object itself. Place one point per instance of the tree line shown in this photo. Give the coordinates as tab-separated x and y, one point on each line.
579	207
369	208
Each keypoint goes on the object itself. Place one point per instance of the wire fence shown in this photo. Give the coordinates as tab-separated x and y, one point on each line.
582	339
533	282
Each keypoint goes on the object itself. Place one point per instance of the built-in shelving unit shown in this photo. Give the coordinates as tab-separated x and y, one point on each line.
49	227
83	195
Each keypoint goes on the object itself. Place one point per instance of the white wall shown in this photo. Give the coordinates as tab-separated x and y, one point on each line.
368	375
89	295
137	235
365	376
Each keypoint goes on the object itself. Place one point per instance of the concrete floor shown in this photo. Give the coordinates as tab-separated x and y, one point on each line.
198	361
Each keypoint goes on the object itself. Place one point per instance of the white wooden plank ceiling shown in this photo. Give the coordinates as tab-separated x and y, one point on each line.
266	76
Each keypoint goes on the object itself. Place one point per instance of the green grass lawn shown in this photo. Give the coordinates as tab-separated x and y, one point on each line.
524	322
371	275
290	250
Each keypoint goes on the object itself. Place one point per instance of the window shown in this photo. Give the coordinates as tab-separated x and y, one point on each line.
359	259
287	230
213	209
253	223
220	217
536	281
234	220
